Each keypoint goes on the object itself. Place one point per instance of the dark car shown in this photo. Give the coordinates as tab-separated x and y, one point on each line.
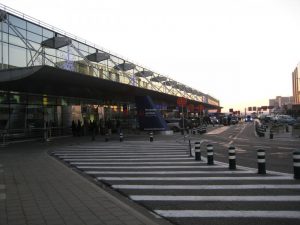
248	119
234	120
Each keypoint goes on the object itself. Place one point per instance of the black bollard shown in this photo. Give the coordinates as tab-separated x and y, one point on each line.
261	161
121	136
210	154
151	136
232	161
287	128
296	159
197	151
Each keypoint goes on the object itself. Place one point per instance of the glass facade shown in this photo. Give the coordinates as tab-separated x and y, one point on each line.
21	46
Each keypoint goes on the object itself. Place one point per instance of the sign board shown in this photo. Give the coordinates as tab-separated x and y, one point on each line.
181	101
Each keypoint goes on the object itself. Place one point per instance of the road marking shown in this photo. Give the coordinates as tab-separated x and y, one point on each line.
207	187
118	152
169	172
261	147
216	198
136	163
193	178
121	156
229	214
148	167
218	130
130	159
287	148
2	196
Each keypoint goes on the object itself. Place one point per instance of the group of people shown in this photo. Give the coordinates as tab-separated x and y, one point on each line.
93	127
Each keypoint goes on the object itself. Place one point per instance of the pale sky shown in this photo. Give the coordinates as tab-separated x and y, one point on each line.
242	52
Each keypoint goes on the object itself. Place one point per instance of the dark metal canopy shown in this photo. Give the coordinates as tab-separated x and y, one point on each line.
144	73
170	83
98	56
158	79
56	42
125	66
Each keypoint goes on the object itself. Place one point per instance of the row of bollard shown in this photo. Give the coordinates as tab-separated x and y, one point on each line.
261	158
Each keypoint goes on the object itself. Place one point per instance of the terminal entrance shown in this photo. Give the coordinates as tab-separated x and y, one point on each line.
24	115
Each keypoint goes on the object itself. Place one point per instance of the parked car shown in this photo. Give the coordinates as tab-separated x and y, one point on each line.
286	119
173	124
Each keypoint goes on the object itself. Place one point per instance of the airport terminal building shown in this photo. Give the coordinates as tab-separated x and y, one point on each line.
51	78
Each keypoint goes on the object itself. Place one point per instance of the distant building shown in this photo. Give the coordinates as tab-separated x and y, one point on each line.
281	104
296	84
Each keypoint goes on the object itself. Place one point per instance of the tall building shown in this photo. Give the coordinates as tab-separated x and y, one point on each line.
296	84
281	104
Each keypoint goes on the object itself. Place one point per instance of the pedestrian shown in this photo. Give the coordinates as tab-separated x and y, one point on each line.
73	128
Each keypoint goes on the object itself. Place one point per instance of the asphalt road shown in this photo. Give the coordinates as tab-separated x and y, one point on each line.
162	177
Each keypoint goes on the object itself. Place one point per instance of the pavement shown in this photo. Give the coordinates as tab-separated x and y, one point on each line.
36	188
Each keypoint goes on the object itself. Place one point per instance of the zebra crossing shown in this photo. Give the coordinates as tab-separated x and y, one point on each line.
163	177
2	186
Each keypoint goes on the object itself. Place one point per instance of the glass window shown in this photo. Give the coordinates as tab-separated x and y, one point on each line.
34	28
35	99
23	32
17	21
83	47
47	33
16	41
50	51
34	37
4	27
92	50
17	56
5	56
18	98
35	116
4	112
36	46
17	116
5	37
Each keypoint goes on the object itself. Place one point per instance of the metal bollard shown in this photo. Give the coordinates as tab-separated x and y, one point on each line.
287	128
232	162
151	136
210	154
121	136
261	161
197	151
296	159
106	137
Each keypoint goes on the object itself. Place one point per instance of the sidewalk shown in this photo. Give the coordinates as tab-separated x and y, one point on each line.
36	189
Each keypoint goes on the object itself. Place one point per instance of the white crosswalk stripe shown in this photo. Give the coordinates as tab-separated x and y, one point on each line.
162	176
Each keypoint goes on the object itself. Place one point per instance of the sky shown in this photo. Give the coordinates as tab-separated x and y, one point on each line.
242	52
